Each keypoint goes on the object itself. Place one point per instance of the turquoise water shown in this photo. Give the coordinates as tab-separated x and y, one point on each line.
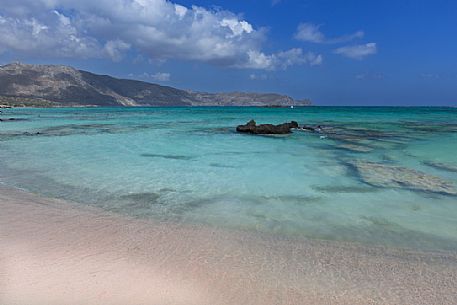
385	176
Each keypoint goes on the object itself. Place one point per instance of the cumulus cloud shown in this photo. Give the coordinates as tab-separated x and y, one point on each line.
55	35
310	32
157	29
358	51
115	49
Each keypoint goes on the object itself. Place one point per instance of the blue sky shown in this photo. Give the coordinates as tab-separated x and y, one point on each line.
350	52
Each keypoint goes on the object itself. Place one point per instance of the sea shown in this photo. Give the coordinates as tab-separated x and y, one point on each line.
383	176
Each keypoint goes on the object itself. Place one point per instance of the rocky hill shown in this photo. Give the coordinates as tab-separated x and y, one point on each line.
55	86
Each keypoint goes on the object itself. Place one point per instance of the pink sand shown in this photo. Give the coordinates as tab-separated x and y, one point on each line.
55	253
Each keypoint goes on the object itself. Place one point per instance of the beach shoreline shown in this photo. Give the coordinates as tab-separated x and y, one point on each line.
55	252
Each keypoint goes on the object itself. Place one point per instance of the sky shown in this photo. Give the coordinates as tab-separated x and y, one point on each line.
334	52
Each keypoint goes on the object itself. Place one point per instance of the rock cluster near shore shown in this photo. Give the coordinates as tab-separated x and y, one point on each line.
253	128
382	175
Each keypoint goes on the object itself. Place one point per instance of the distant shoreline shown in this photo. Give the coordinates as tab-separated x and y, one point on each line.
218	106
56	85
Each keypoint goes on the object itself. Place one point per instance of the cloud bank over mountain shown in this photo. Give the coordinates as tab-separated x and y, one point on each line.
157	29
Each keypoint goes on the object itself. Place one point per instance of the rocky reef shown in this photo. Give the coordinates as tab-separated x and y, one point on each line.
355	148
442	166
392	176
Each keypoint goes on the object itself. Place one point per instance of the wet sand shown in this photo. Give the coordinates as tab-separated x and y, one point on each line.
54	252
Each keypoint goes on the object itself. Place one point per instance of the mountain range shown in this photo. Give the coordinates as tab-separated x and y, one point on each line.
64	86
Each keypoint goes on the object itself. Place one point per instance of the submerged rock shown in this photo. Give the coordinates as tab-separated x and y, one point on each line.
355	148
430	127
164	156
356	134
389	176
140	200
252	127
344	189
442	166
12	119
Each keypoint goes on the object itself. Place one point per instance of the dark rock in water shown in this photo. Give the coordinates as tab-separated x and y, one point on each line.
247	127
12	119
308	128
275	106
293	124
252	127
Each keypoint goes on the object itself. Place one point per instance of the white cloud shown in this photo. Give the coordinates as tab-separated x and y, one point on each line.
310	32
281	60
358	51
180	10
115	48
157	29
161	77
157	77
254	76
237	27
54	35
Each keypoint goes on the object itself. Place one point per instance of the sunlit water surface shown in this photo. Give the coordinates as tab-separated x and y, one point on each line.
386	176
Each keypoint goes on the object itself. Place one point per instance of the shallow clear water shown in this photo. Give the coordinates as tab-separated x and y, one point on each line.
386	176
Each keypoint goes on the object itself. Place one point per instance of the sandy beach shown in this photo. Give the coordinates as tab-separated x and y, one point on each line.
190	152
55	252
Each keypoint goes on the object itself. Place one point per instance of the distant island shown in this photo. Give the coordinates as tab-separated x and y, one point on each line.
24	85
